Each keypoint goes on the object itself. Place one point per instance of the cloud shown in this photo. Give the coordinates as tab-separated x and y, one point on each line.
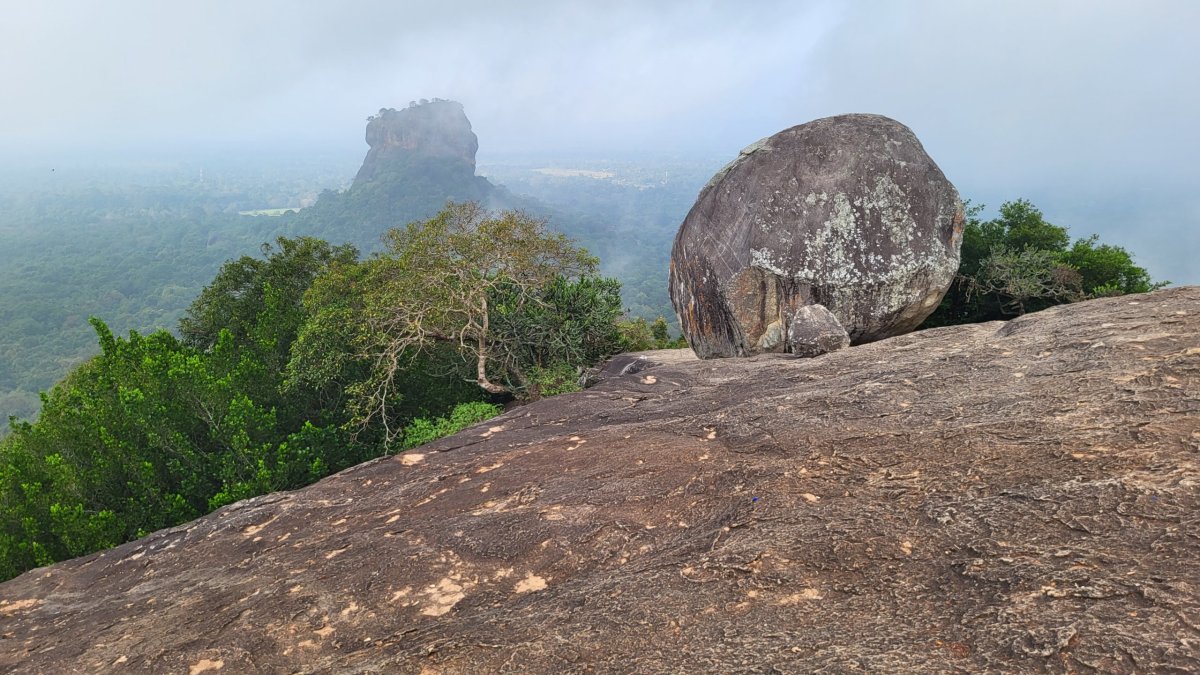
1068	102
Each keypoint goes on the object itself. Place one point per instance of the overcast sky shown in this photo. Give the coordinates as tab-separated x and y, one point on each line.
1087	107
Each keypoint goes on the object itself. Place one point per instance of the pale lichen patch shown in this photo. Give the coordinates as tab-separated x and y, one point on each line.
803	596
530	583
13	606
255	529
432	497
205	665
443	596
411	458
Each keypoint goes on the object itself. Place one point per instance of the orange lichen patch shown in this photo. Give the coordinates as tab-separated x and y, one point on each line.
443	596
530	583
491	431
255	529
577	441
351	608
392	519
12	606
402	593
410	458
485	469
205	665
907	547
797	598
432	497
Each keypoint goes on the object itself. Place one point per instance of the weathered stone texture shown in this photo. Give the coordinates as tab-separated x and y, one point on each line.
995	498
848	212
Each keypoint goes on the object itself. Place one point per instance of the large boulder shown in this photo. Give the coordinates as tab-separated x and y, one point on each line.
848	212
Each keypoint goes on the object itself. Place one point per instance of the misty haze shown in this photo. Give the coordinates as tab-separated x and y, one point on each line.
236	239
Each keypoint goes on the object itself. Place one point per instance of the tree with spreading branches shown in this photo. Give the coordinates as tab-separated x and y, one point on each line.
482	284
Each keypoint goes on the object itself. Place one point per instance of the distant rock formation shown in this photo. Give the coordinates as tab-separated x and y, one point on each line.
437	129
419	158
1018	498
846	212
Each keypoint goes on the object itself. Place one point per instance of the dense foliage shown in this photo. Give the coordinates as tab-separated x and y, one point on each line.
267	387
517	303
1018	263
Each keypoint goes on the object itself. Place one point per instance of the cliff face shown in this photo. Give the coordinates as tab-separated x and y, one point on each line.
419	159
435	130
1005	497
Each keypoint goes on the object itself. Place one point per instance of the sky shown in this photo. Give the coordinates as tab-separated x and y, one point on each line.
1086	107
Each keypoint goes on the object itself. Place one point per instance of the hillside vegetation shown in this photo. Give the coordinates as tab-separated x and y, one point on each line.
198	373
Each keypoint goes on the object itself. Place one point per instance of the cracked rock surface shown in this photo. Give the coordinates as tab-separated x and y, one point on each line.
848	212
1003	497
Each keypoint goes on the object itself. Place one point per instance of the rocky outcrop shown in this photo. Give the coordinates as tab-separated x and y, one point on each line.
847	212
430	130
1016	497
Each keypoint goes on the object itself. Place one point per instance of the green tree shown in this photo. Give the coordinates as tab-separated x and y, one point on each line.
260	301
1019	262
499	290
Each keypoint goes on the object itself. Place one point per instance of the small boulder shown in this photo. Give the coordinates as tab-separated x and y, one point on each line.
846	212
816	331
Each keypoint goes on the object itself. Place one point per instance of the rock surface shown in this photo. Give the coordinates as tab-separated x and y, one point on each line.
848	212
1016	497
435	129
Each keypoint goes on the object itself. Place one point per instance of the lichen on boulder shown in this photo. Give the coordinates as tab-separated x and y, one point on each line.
847	212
